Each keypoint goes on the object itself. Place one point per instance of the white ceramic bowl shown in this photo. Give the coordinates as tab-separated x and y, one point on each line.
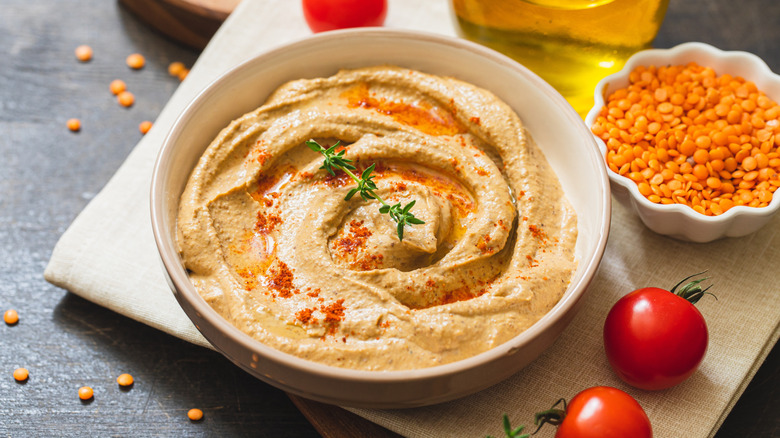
676	220
558	130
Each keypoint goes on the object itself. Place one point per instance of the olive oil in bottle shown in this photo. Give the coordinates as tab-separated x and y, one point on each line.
571	44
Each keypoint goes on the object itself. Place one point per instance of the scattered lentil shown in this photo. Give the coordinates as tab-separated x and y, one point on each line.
11	317
117	86
84	53
74	125
145	126
124	380
685	135
195	414
21	374
183	74
175	68
125	98
136	61
86	393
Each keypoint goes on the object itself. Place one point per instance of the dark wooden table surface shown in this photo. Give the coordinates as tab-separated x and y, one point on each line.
48	174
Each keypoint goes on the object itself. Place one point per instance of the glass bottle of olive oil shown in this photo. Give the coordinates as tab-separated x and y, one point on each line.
571	44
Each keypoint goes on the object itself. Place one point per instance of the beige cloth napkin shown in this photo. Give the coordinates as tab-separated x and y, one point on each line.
108	256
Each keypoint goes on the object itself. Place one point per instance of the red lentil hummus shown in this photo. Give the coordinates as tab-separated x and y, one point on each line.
271	244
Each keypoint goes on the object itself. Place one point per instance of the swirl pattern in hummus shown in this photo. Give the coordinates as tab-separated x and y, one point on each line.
271	244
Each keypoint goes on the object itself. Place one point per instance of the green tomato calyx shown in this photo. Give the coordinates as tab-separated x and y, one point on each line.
554	416
692	291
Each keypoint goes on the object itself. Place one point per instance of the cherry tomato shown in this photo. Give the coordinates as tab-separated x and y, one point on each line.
604	412
597	412
322	15
654	338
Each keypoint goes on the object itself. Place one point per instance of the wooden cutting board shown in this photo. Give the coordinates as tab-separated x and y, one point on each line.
334	422
190	22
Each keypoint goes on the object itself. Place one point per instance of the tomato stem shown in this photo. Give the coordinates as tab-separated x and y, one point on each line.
692	291
552	416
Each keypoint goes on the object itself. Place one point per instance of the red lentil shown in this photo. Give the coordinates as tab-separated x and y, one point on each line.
195	414
124	380
21	374
11	317
117	86
175	68
86	393
125	98
136	61
84	53
145	126
74	125
685	135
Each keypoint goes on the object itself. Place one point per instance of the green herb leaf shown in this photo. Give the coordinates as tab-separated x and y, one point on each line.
512	433
351	194
414	220
313	145
400	230
366	175
365	185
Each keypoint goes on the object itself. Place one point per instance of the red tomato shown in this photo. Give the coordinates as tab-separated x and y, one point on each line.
604	412
655	339
322	15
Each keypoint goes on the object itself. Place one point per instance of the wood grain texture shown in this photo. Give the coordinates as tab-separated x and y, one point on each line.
48	175
191	22
334	422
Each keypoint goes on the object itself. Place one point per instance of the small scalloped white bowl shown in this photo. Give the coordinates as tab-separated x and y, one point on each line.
676	220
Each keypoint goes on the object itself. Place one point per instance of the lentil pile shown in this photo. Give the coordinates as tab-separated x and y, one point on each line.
687	136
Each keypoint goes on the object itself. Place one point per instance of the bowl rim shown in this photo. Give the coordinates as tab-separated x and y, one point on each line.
681	50
185	290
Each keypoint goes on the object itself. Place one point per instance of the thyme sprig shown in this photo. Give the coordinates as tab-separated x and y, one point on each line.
366	186
512	432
